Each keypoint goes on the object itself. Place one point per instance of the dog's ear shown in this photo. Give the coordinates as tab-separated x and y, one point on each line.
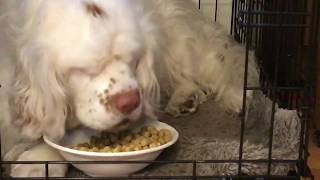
148	81
39	99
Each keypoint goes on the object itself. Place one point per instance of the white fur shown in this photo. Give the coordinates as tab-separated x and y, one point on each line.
64	59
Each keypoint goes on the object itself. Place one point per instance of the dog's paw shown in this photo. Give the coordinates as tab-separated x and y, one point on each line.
38	170
188	107
186	99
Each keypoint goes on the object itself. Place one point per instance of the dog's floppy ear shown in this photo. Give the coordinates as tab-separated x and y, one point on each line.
39	99
147	78
149	84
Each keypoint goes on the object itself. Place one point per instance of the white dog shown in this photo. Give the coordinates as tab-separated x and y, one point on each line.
101	64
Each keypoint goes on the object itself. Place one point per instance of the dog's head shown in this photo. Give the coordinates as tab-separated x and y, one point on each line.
91	61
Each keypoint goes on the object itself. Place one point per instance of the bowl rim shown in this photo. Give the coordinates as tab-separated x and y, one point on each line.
118	154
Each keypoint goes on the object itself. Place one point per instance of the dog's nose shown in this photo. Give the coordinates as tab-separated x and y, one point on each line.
126	102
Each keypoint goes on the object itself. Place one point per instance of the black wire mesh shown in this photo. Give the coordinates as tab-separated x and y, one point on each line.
282	34
276	31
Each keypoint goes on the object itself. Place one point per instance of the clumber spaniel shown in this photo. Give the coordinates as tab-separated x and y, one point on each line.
101	64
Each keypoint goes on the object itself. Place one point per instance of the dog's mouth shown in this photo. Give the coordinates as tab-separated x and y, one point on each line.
123	125
124	122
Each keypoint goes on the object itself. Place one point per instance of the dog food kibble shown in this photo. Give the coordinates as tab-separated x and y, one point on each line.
148	137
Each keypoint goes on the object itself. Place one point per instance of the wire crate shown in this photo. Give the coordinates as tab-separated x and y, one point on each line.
282	35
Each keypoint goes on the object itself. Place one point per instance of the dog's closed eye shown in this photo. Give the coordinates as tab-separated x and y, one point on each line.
94	10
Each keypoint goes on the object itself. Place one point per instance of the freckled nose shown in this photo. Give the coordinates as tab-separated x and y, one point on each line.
126	102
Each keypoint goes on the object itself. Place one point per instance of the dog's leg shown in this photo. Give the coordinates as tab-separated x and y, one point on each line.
185	100
40	152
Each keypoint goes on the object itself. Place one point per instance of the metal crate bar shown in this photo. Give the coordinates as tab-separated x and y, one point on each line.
253	12
274	25
162	177
280	161
289	88
244	101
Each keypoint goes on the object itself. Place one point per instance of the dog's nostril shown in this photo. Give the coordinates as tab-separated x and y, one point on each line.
126	102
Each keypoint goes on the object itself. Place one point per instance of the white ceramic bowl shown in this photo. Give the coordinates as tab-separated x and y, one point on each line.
108	170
